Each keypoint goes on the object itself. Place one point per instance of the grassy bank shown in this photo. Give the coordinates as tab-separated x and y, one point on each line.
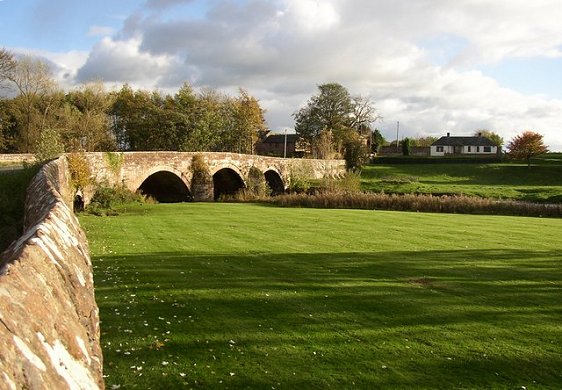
240	295
540	183
13	184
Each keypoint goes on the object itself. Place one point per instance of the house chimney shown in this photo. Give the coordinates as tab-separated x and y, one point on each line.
448	135
480	134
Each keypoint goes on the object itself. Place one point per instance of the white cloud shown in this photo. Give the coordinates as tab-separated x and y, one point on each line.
281	49
122	62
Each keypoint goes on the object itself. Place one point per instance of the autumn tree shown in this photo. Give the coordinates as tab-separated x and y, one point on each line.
249	122
526	145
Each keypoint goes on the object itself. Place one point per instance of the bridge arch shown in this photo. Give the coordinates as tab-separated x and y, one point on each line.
227	180
166	185
275	181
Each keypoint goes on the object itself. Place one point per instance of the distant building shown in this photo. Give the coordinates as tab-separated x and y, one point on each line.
463	146
274	145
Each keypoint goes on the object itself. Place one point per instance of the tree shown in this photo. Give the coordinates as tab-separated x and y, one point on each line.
7	65
355	154
406	146
35	86
526	145
378	141
492	136
423	141
91	131
333	109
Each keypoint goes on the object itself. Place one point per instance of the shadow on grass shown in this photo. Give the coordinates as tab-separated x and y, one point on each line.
468	318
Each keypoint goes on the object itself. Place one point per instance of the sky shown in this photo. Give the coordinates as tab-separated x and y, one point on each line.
435	66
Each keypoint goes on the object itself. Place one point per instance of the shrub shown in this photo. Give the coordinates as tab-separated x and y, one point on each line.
356	153
106	198
422	203
80	174
299	177
350	182
49	146
201	179
257	185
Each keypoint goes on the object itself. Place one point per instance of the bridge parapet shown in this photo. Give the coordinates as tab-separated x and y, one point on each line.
132	169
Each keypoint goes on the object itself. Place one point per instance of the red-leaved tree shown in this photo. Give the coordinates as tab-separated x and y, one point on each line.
526	145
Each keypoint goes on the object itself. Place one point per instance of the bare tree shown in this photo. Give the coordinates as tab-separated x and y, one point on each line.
35	86
7	65
364	113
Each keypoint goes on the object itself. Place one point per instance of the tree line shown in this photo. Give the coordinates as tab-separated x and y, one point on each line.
36	116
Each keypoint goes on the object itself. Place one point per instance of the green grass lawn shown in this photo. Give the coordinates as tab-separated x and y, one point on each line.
540	183
216	295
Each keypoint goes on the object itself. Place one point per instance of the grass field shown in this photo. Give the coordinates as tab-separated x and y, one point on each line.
540	183
247	296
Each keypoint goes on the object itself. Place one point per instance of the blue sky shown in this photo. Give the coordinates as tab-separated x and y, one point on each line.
436	66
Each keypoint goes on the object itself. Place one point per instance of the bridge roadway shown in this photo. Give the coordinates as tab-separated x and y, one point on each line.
168	176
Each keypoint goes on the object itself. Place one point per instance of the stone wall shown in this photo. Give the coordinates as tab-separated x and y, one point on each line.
16	159
49	322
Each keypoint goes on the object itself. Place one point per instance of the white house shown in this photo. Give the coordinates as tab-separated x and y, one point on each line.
463	146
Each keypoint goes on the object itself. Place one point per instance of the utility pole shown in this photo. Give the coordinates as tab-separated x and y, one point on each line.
397	131
285	148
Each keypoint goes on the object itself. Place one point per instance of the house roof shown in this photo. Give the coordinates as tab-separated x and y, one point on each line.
463	141
280	138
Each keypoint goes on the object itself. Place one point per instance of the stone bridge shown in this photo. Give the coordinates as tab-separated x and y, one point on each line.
168	176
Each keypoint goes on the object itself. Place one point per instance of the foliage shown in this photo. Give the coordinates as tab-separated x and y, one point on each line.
49	145
199	167
13	186
91	130
299	177
491	135
356	153
108	198
114	161
378	141
92	119
526	145
324	145
349	183
257	185
419	203
317	302
423	141
32	80
333	109
80	173
406	146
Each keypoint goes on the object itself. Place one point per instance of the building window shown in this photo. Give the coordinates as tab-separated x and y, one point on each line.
487	149
440	149
469	149
478	149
